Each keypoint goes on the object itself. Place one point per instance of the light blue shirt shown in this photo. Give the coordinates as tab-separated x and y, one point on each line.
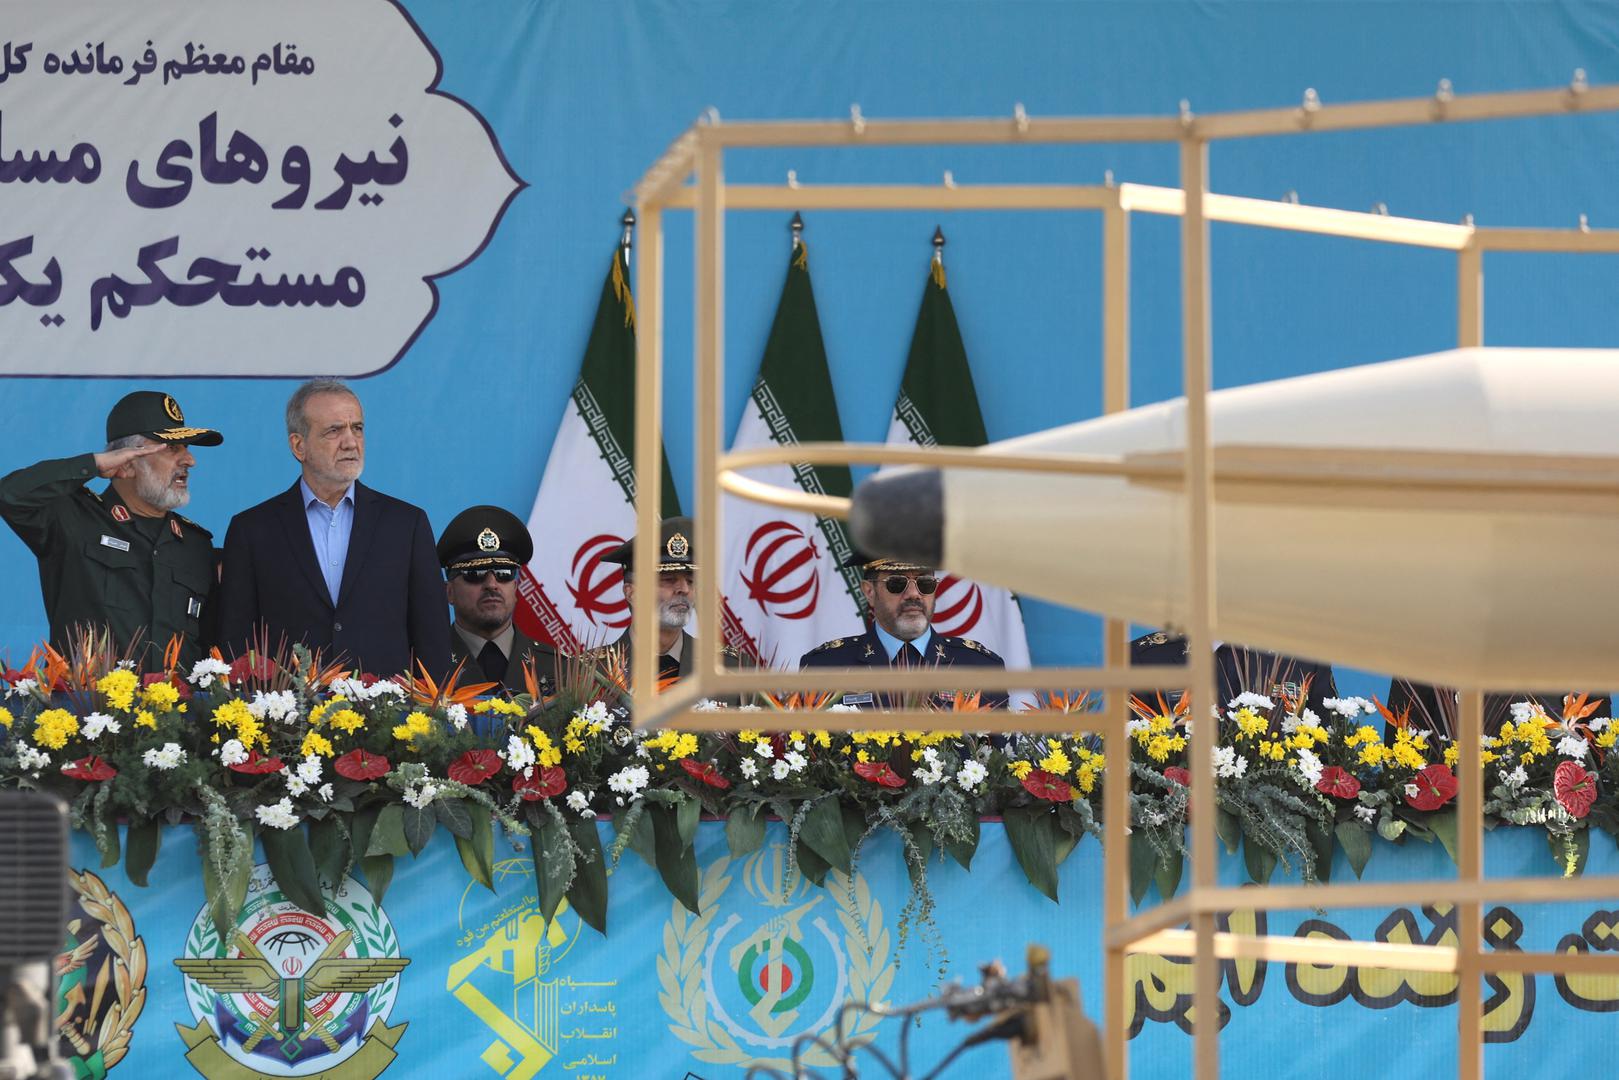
330	529
893	644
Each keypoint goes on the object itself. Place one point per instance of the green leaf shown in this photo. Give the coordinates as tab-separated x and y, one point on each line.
456	816
107	843
1031	832
687	813
812	866
676	860
1229	827
478	851
962	849
330	848
1390	827
822	832
1444	826
388	836
1261	860
418	824
922	837
140	850
1168	874
1064	843
588	894
292	864
1321	842
1143	864
225	898
553	861
1356	841
854	828
379	871
365	821
744	830
1577	844
641	841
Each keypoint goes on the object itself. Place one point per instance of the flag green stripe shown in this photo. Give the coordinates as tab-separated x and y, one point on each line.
938	402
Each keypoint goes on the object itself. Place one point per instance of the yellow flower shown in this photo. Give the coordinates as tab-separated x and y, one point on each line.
1363	734
1275	751
234	715
316	743
53	728
861	757
160	696
145	719
347	720
1373	754
823	739
545	751
416	724
1086	778
317	715
1250	723
1056	762
747	737
500	706
1020	769
6	719
119	686
1607	738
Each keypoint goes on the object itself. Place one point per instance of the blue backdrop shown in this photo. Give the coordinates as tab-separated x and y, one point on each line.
582	97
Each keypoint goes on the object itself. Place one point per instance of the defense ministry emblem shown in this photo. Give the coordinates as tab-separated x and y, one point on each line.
488	540
509	976
101	979
289	993
773	961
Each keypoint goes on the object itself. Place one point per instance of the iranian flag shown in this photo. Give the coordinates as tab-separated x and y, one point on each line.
785	589
586	506
938	406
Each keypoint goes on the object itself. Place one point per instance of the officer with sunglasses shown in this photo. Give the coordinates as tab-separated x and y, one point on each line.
900	597
482	551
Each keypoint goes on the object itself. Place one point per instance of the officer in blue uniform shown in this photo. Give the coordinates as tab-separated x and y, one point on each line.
1281	678
900	597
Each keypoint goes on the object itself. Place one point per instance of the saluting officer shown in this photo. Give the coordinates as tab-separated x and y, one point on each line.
483	550
900	596
121	557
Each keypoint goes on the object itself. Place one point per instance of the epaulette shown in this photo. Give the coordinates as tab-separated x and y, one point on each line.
730	652
825	645
974	645
1159	638
194	525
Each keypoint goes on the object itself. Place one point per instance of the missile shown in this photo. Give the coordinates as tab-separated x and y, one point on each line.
1451	517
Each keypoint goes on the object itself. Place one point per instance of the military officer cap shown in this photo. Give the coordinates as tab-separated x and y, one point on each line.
870	566
675	553
157	416
485	538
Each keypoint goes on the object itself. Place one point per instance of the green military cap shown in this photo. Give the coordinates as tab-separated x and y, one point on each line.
870	565
674	548
157	416
485	538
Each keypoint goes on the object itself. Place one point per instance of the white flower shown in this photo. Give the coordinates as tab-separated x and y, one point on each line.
205	671
278	705
519	754
457	714
1517	778
127	665
22	687
1309	767
1412	791
97	723
756	708
422	795
170	756
1154	817
232	753
971	774
579	802
325	793
309	769
1601	723
597	713
749	769
764	749
1250	700
295	785
277	815
1366	813
798	744
1573	746
1134	724
1349	707
933	771
707	705
629	780
31	759
796	761
1227	765
779	770
841	707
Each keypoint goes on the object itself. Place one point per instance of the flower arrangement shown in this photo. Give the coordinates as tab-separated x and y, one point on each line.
332	769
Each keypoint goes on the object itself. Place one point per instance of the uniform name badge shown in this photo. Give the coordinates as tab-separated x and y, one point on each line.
857	699
114	543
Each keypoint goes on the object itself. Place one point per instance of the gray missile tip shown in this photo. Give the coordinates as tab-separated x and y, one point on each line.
901	516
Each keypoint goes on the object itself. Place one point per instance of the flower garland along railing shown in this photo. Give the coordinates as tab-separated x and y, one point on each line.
332	770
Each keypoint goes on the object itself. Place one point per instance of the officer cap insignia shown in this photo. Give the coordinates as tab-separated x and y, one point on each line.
171	408
1157	639
678	546
120	513
488	541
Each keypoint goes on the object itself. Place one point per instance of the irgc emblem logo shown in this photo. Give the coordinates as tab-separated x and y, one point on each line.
771	961
101	979
290	993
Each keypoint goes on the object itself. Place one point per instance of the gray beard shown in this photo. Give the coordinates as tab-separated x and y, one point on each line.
158	494
671	619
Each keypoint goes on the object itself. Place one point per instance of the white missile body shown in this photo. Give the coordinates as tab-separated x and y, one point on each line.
1512	594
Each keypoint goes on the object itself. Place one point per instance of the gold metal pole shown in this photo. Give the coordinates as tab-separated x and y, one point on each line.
710	361
648	456
1470	871
1470	296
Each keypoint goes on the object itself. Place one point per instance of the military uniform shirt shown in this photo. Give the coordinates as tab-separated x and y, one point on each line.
102	565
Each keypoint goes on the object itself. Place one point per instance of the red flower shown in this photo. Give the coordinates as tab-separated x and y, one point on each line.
258	763
540	783
252	665
475	766
369	680
706	771
90	768
1050	787
1436	786
1342	785
1179	775
359	765
1575	788
879	772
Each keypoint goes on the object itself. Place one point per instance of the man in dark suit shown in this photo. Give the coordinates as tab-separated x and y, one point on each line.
331	563
1238	669
900	597
483	550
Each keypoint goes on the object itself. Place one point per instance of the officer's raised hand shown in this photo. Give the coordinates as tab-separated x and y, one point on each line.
119	464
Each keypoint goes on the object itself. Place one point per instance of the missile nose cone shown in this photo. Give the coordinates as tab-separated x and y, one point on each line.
901	516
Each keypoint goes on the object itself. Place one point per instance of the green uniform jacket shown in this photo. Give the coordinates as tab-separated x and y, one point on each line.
96	568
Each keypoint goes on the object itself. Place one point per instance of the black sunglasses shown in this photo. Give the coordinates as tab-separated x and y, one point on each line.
924	585
504	574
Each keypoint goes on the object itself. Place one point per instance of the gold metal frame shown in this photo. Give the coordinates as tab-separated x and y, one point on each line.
700	151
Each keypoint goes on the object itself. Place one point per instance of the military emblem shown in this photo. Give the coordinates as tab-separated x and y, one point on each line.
488	540
174	527
172	408
511	978
678	547
288	993
771	962
781	570
101	979
120	512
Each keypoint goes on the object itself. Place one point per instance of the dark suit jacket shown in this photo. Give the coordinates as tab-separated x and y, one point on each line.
390	610
1240	669
1435	709
523	648
867	650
